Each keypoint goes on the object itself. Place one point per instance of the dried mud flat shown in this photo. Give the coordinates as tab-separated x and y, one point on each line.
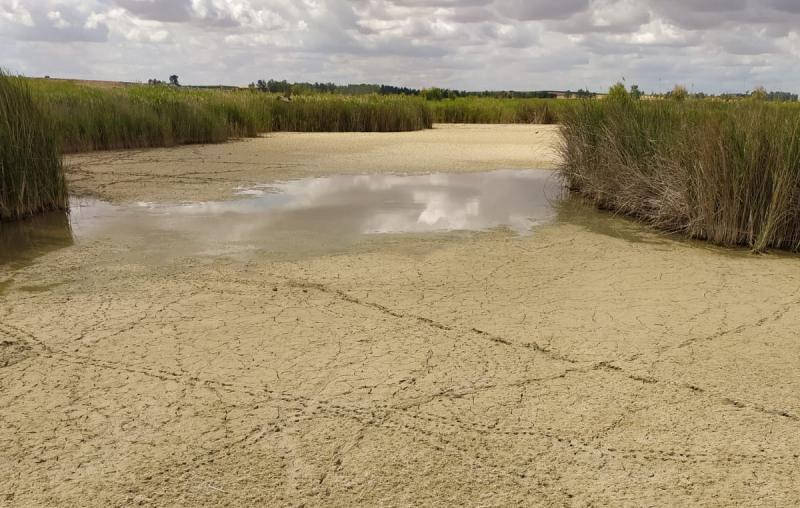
208	172
569	367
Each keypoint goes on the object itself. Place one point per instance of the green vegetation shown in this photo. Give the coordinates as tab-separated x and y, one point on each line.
779	96
31	174
725	171
618	92
490	110
728	173
283	87
87	118
435	93
370	113
678	93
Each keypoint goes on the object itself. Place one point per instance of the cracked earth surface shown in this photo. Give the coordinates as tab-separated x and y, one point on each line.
569	367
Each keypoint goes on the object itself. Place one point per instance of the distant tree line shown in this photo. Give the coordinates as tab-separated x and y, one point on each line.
581	94
759	94
285	87
434	93
782	96
681	93
446	93
437	94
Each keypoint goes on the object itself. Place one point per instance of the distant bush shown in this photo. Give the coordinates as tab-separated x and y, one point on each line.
618	92
679	93
759	94
432	94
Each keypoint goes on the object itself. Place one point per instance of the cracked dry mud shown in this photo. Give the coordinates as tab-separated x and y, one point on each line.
569	367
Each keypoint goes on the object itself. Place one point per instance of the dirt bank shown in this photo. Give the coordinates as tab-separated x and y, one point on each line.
591	363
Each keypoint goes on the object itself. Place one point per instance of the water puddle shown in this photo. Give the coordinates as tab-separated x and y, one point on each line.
23	241
313	215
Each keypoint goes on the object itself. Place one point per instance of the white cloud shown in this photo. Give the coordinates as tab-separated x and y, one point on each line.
58	21
717	45
14	13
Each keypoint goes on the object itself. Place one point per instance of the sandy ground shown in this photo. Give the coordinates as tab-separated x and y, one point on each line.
591	363
208	172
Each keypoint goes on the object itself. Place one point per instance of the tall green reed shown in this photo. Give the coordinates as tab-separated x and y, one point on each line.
727	173
31	173
498	111
88	118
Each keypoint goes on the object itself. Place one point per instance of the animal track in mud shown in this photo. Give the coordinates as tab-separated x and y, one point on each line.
400	417
555	355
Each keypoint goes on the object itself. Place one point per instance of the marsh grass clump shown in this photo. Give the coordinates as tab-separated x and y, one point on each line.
31	173
370	113
497	111
728	173
87	118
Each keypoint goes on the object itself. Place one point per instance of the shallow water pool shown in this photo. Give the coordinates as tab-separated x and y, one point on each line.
310	214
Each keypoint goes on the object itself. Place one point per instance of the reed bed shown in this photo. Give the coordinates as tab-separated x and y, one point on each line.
86	118
370	113
497	111
727	173
31	173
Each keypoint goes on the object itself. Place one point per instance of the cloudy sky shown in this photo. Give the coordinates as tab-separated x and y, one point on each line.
708	45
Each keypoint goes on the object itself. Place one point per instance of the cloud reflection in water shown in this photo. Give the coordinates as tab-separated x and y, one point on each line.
330	209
